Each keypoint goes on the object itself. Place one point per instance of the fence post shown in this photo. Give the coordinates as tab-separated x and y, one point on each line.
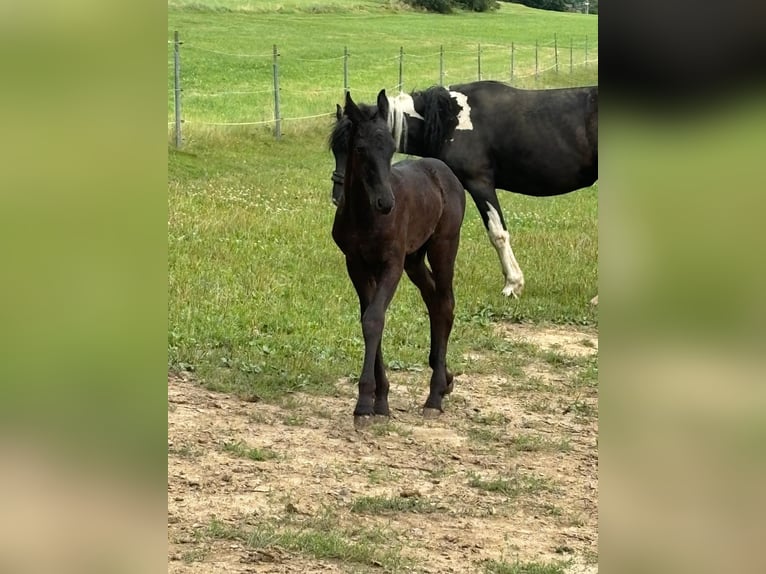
177	87
513	54
556	51
536	63
401	64
478	61
277	119
571	51
345	70
441	65
586	50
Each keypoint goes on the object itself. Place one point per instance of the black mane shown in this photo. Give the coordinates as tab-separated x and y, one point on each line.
440	113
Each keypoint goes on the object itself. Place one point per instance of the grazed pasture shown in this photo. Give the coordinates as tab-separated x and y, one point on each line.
266	473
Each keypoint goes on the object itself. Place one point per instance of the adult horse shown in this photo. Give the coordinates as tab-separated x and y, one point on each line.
388	220
532	142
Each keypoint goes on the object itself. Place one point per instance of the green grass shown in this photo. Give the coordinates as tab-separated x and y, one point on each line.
242	450
501	567
259	300
319	538
386	505
227	53
511	487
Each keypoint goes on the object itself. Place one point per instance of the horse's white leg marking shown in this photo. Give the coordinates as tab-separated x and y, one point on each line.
464	116
500	238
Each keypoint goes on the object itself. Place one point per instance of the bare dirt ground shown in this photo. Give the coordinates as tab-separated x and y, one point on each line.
507	475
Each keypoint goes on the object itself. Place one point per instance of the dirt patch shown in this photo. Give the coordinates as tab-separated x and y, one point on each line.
571	341
508	473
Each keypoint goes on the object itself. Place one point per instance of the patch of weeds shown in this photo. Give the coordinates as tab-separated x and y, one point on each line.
379	476
290	401
219	530
541	406
483	435
490	419
582	409
537	443
512	487
323	540
194	555
550	509
183	451
588	375
385	505
294	420
529	383
501	567
558	360
258	418
387	427
242	450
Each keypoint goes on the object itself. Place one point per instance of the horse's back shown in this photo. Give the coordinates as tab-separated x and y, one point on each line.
539	142
431	176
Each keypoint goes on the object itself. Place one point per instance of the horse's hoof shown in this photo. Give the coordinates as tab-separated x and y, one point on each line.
431	413
514	289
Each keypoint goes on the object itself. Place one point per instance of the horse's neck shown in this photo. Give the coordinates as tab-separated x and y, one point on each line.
412	142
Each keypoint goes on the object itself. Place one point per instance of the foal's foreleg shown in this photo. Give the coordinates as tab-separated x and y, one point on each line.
374	298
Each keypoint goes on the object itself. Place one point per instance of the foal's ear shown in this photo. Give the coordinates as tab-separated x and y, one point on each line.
338	112
352	110
383	104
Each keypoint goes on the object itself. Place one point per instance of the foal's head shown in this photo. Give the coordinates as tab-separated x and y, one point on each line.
370	148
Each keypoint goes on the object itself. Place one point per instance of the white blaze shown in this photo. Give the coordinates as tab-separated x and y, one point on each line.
500	238
464	116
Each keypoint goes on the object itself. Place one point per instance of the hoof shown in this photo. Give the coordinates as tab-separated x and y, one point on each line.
513	290
431	413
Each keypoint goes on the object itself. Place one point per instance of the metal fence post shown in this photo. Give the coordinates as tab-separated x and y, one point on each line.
571	51
556	51
345	70
177	87
277	119
478	61
513	55
586	50
401	71
441	65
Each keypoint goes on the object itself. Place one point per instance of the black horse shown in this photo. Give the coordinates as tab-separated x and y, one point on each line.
532	142
389	218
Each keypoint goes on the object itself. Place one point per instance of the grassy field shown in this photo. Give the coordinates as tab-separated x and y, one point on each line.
227	61
259	301
260	307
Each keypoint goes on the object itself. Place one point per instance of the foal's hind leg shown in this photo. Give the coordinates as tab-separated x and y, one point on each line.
440	306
